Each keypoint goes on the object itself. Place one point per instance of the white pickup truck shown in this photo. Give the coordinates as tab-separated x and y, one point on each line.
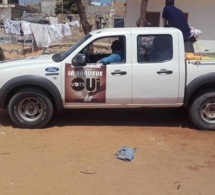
153	73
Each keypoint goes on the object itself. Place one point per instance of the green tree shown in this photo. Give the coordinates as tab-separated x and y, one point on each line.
69	7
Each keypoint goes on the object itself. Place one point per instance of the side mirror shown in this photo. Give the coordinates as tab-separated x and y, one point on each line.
79	60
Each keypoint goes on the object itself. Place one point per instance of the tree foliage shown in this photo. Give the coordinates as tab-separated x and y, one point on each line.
69	7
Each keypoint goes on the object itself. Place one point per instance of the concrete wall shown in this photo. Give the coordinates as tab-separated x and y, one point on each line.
14	10
6	12
48	7
34	6
201	14
18	10
13	1
116	10
9	1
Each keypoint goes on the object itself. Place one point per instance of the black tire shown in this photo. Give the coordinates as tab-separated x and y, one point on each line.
202	111
30	108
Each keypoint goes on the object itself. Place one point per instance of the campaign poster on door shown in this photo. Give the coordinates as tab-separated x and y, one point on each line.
85	84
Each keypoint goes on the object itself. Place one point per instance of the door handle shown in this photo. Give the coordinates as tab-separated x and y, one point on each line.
165	71
119	73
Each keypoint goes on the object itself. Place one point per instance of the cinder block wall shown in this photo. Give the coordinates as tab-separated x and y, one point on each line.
119	7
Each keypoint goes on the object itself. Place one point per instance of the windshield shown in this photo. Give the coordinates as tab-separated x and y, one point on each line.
60	57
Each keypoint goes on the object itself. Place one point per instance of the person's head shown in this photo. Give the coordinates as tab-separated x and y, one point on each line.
169	2
145	44
116	46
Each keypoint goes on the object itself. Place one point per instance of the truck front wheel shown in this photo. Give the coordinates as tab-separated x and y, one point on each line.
202	111
30	109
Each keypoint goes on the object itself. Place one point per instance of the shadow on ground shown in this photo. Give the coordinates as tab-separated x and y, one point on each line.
123	117
171	117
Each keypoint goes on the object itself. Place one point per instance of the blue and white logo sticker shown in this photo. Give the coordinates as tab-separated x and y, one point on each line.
52	69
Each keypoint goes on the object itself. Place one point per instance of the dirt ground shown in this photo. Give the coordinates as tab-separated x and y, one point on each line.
74	154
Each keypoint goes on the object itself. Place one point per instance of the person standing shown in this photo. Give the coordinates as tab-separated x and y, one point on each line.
174	17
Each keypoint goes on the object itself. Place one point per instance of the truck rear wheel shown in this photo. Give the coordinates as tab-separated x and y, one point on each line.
202	111
30	108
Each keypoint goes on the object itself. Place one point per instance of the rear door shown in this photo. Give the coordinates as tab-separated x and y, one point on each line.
155	69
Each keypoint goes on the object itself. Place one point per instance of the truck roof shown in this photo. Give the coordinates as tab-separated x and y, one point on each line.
136	30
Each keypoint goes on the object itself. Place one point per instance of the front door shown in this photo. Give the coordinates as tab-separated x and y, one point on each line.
97	84
118	89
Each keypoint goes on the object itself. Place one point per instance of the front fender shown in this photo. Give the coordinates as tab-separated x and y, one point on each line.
30	80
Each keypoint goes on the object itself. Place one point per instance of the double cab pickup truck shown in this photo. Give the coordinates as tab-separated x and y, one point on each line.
155	71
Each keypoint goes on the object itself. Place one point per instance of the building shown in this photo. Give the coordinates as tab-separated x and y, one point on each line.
11	9
10	1
109	15
34	5
200	14
48	6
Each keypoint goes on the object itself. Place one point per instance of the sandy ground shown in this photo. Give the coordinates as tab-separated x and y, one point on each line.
75	154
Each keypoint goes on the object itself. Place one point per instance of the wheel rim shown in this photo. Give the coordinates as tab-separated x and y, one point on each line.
208	111
30	109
